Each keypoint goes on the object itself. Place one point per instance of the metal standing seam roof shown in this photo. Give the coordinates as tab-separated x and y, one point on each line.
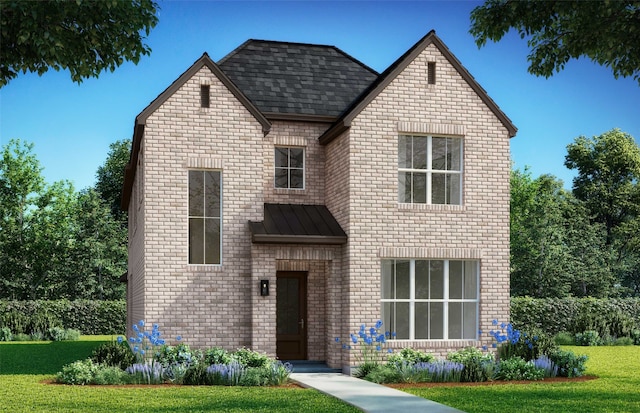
298	224
297	78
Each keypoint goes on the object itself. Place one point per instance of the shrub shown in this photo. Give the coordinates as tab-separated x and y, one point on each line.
22	337
390	373
217	355
588	338
114	354
250	358
564	338
5	334
635	336
79	372
279	373
623	341
516	368
196	375
72	334
254	376
410	356
56	334
109	375
511	342
614	317
364	369
569	364
180	354
477	365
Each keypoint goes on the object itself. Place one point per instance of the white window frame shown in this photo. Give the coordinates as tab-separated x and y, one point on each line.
429	171
412	300
220	218
288	168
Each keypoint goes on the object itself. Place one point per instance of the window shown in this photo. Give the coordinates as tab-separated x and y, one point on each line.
431	73
204	96
205	211
289	168
429	170
430	299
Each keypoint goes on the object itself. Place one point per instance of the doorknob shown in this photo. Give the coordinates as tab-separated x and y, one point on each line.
301	322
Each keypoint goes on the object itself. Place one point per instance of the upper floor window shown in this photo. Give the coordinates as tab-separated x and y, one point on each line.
289	168
205	213
430	299
429	170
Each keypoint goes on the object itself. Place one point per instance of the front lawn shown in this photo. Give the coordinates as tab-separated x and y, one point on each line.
25	366
616	389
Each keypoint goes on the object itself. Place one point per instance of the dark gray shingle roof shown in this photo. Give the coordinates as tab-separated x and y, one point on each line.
297	78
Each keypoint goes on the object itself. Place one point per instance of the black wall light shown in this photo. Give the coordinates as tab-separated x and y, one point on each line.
264	287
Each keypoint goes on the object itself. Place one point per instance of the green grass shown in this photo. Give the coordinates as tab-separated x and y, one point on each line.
24	366
616	390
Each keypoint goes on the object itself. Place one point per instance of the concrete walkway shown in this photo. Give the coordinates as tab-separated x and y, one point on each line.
368	397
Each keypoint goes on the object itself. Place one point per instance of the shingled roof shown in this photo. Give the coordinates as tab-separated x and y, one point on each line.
282	78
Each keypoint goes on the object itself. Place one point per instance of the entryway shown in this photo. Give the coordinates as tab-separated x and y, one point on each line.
291	315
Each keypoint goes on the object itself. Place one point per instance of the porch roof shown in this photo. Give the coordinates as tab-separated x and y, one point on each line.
297	224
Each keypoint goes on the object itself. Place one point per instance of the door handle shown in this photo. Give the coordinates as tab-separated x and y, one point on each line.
301	322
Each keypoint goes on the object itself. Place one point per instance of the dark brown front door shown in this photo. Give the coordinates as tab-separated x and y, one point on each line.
291	315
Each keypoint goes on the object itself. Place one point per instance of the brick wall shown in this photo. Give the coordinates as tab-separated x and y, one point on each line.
378	227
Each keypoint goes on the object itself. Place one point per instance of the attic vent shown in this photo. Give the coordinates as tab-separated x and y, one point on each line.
431	72
204	96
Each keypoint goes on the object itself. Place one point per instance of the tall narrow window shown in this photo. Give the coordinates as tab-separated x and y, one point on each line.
289	168
429	170
204	96
431	75
205	212
430	299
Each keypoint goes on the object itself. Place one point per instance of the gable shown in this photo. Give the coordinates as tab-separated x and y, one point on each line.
393	71
141	119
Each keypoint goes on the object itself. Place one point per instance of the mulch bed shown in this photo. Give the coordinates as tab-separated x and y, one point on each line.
493	383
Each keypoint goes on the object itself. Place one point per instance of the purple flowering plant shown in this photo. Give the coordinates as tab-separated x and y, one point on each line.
368	344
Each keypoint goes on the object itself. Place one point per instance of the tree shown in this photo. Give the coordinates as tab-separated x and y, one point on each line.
110	177
538	256
608	174
36	219
85	37
607	32
608	183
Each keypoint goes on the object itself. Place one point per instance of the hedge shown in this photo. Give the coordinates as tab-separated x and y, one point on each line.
610	317
87	316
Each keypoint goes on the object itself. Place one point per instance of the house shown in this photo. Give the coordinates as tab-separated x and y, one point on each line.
288	193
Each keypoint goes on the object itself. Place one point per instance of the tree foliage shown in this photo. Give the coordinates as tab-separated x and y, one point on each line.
607	32
54	242
110	177
86	37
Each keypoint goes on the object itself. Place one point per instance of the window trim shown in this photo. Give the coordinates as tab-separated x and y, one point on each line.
289	168
412	300
220	218
429	171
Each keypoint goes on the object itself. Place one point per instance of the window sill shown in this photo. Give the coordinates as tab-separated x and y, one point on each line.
400	344
433	207
287	191
204	268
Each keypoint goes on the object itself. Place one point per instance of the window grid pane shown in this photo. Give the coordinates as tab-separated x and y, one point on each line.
429	170
205	212
289	168
442	299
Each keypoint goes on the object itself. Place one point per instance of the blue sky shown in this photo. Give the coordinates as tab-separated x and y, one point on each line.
72	125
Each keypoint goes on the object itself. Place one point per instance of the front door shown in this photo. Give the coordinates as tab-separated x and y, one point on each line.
291	315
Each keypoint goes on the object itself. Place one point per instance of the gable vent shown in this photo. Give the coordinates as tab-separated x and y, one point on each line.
204	96
431	73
